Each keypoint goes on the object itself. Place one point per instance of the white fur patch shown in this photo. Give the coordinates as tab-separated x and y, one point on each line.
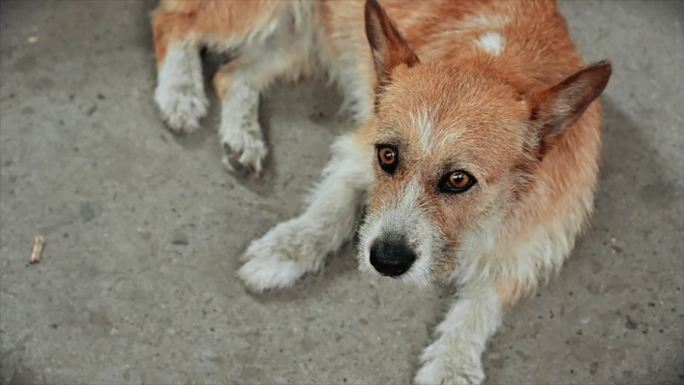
180	89
280	257
269	272
491	42
423	121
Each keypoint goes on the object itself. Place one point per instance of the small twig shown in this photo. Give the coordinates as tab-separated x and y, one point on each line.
38	243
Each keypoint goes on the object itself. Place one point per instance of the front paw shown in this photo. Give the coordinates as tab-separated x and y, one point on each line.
244	147
450	369
182	104
276	260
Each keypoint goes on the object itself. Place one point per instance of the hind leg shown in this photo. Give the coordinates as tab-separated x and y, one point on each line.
180	94
240	132
238	85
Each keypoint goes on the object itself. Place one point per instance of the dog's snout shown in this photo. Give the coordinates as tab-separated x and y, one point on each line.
391	257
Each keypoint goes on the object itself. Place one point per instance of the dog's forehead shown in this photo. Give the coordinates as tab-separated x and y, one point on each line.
442	140
453	118
443	99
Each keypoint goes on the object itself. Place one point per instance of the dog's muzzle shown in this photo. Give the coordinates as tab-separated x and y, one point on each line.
391	256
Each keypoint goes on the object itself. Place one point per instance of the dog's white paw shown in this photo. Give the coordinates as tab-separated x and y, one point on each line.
182	104
244	147
180	89
450	368
269	272
279	258
443	372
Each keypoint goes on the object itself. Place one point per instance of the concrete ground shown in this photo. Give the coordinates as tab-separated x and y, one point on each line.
143	229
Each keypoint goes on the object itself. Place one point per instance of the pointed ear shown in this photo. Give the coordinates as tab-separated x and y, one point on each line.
561	105
388	46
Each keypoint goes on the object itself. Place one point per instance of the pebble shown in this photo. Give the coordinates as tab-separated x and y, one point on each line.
86	212
178	237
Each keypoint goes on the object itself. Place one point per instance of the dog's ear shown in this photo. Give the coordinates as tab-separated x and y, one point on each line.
388	46
556	108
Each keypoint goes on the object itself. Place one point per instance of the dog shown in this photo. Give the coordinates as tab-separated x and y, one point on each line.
475	160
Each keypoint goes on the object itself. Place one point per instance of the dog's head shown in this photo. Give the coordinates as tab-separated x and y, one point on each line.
455	147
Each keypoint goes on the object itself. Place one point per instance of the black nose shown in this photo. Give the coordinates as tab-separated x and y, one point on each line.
391	257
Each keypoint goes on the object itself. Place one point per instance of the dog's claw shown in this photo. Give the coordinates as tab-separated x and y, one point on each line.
244	153
245	162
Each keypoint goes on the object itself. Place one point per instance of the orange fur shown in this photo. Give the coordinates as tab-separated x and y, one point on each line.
209	21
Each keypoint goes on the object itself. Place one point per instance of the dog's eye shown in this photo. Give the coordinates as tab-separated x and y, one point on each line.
456	182
388	157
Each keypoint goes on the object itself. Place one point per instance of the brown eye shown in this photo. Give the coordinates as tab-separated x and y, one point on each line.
388	157
456	182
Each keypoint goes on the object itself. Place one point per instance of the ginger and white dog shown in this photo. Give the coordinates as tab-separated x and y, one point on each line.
475	160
